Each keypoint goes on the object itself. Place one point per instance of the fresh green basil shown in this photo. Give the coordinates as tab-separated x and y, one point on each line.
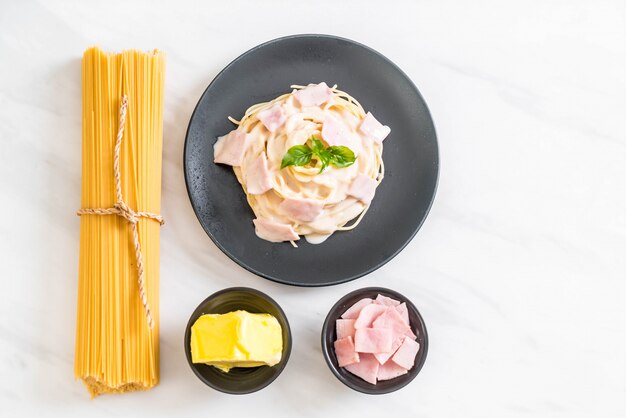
301	155
341	156
297	155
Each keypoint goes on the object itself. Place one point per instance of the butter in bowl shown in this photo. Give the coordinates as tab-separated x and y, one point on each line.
238	340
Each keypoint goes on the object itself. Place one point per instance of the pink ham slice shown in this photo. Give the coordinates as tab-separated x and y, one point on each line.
403	311
366	368
410	334
384	357
273	118
374	129
274	231
303	210
391	320
390	370
345	352
354	311
363	188
313	95
368	314
258	179
405	356
373	340
229	149
387	301
345	328
335	132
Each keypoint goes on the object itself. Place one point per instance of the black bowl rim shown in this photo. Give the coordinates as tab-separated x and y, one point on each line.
283	361
268	275
423	348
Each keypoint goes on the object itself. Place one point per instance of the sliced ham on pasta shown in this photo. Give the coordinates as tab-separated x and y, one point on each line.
336	133
316	197
274	231
302	210
229	149
258	178
314	95
363	188
272	118
374	129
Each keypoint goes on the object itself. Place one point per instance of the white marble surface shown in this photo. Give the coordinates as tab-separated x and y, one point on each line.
519	271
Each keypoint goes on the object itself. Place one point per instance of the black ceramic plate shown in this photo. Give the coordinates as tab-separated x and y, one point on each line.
410	153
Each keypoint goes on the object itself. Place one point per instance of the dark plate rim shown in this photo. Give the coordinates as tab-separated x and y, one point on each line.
417	368
268	275
279	367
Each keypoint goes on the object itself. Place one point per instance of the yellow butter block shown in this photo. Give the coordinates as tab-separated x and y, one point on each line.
236	339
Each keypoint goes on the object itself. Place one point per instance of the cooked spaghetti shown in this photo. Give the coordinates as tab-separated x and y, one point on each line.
117	349
309	198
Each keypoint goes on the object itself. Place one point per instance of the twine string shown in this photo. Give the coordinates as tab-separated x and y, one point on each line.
120	208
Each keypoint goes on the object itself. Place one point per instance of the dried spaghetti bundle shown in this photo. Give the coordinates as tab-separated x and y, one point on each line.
117	332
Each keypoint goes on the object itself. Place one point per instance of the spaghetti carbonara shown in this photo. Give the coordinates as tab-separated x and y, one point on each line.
309	162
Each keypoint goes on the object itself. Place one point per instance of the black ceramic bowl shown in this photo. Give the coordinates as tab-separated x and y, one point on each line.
329	335
239	380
